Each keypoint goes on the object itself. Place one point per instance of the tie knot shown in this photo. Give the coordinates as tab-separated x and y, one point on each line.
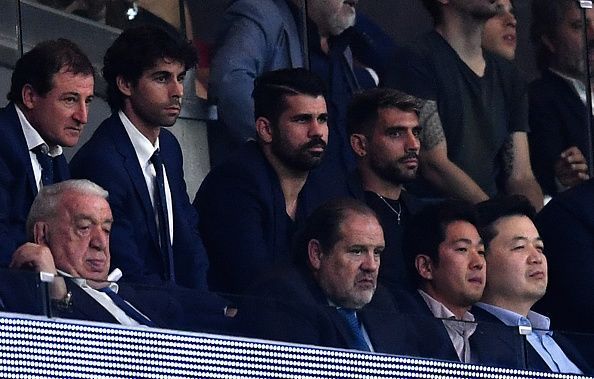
41	149
156	157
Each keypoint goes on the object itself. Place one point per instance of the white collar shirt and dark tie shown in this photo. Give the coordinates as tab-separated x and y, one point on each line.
144	151
459	331
106	302
34	139
539	337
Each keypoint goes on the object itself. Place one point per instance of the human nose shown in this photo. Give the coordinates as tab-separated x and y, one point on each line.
412	142
510	19
477	259
177	89
99	239
371	262
535	256
318	128
81	114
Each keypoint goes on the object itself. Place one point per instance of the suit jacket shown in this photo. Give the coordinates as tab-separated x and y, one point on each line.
557	121
244	223
566	225
17	182
256	37
507	348
289	306
109	160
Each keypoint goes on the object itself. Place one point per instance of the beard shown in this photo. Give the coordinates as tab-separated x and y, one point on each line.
391	171
300	158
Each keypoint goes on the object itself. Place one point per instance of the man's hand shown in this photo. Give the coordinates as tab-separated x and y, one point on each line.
33	257
571	168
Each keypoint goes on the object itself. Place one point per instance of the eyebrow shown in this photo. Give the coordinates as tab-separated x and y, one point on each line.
522	238
468	241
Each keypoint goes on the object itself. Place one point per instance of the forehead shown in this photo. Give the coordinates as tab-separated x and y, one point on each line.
67	81
515	226
76	204
460	229
304	104
166	65
392	116
360	228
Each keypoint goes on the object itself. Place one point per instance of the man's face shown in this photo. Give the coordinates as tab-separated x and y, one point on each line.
155	100
333	17
78	236
499	35
566	45
60	115
458	280
517	266
348	272
393	149
300	136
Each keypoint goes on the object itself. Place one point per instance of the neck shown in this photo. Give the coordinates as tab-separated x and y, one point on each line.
372	182
291	181
464	35
151	132
458	310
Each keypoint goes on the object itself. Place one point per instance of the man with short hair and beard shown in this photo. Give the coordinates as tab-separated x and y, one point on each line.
154	237
384	128
251	204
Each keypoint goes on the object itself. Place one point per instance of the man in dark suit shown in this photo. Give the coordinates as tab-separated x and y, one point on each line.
517	278
446	257
384	129
69	226
331	297
251	204
52	86
154	237
558	134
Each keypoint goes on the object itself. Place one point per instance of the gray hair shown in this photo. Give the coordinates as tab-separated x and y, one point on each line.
47	202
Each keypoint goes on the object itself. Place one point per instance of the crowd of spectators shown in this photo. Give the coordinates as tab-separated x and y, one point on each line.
363	195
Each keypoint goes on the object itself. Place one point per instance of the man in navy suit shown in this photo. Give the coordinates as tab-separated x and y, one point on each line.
251	205
517	278
52	86
154	237
331	296
558	134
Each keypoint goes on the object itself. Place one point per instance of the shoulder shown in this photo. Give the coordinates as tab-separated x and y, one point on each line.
266	12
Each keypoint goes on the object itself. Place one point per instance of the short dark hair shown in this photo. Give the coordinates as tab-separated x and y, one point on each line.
547	15
137	50
427	229
434	10
324	225
38	66
493	209
363	110
272	88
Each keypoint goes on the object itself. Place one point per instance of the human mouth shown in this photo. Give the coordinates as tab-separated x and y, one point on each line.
96	264
537	275
476	280
510	39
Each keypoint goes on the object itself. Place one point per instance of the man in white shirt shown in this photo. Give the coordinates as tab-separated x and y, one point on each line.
52	86
69	226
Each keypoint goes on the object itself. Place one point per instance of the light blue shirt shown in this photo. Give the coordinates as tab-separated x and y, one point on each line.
536	328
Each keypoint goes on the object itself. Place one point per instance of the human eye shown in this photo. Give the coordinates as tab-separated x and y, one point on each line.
356	250
395	133
70	100
323	118
417	132
519	247
181	77
378	252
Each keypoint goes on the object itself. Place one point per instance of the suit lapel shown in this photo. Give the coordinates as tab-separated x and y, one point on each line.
124	146
20	144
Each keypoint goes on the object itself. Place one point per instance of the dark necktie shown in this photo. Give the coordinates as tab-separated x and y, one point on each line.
352	321
161	209
127	308
47	165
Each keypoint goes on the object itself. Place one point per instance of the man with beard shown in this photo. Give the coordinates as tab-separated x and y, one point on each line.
475	119
251	204
331	296
384	128
154	238
517	278
558	133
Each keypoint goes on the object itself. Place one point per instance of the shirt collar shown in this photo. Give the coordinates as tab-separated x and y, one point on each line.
510	318
441	311
143	147
82	283
33	137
